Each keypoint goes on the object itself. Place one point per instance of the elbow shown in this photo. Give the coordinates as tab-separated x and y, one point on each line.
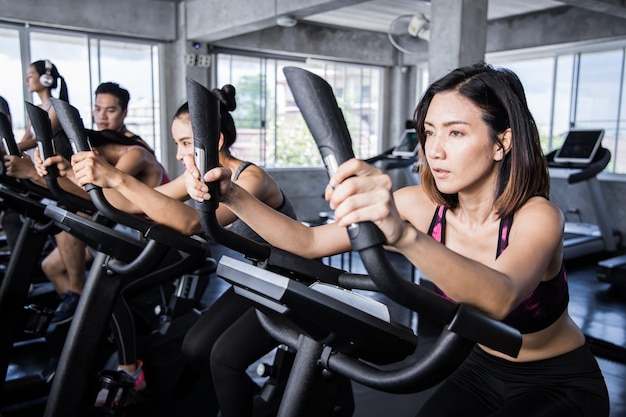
501	309
499	314
186	230
192	227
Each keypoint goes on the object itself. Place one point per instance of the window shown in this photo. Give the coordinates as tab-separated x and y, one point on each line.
597	99
583	90
564	87
70	55
84	61
537	78
270	128
12	78
135	67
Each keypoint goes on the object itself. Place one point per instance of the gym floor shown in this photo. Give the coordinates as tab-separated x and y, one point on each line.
598	308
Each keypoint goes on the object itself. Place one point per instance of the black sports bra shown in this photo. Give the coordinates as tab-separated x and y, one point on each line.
540	308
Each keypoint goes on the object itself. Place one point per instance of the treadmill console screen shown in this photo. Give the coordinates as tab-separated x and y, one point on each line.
408	144
580	146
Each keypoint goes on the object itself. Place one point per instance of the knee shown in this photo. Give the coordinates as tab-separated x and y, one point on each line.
224	359
199	353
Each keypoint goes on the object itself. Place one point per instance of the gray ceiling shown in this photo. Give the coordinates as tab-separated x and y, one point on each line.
377	15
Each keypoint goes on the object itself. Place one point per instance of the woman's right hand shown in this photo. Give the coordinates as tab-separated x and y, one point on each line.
197	189
63	165
91	168
358	192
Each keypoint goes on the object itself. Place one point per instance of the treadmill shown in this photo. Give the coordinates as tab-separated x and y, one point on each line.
583	157
399	162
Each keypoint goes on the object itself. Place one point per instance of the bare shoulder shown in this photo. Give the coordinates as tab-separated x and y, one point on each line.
254	174
138	152
537	209
538	221
414	206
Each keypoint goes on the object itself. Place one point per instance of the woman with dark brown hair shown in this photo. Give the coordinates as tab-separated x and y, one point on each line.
481	228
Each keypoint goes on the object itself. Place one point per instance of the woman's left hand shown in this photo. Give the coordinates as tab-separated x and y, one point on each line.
358	192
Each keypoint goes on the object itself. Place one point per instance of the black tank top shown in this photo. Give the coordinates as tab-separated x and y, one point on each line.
241	228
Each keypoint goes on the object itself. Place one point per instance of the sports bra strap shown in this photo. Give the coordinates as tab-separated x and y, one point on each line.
240	169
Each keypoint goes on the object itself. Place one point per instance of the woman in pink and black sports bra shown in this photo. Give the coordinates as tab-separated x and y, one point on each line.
481	228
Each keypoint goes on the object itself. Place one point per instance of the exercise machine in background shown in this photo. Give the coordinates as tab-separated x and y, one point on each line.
584	158
399	162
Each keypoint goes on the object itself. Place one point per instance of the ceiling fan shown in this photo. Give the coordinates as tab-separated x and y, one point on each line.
410	33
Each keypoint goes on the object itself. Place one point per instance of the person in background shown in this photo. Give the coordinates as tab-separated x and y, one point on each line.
480	227
66	265
164	205
111	108
41	78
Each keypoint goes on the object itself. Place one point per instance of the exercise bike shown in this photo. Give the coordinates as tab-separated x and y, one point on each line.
154	255
27	359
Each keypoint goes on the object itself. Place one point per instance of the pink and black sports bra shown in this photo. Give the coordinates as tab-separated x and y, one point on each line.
540	308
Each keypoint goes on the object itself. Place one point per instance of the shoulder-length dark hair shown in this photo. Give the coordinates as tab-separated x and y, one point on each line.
499	94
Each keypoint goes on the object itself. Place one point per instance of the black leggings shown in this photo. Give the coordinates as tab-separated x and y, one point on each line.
228	338
569	385
136	301
122	323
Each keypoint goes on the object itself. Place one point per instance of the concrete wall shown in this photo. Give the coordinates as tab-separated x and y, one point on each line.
304	187
138	18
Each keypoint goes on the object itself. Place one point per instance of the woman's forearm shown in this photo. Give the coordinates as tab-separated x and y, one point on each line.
283	231
159	207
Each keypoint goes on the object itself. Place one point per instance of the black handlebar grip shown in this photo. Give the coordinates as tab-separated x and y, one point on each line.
8	139
40	121
72	124
319	108
204	113
326	122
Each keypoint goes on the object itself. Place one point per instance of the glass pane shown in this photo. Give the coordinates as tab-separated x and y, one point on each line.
271	130
536	76
562	100
71	57
132	66
246	75
12	87
294	143
620	158
597	98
